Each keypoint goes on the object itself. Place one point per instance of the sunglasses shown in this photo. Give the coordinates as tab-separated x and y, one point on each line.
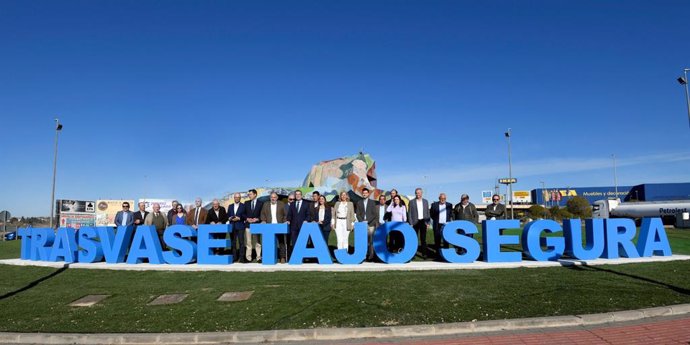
125	206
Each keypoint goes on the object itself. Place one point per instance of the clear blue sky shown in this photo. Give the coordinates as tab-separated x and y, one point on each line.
206	97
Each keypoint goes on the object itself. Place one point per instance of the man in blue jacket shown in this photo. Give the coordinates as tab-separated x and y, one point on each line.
236	219
124	217
298	213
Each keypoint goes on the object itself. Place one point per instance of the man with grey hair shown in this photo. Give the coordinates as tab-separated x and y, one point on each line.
197	215
273	212
466	210
441	213
172	211
140	216
217	215
418	217
157	219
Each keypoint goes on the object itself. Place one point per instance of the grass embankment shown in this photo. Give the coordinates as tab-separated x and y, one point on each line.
34	299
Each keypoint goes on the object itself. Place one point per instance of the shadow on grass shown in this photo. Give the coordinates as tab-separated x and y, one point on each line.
583	267
34	283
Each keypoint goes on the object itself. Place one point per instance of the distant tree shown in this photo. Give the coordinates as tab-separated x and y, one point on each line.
579	207
538	211
560	213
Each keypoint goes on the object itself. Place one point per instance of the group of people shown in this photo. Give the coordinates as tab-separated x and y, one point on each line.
339	217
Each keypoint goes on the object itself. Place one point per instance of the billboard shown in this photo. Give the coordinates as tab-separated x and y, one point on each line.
522	197
107	209
486	196
77	220
559	196
76	206
166	204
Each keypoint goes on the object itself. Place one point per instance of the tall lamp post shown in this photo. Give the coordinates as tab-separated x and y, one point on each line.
684	81
543	191
615	176
510	176
58	128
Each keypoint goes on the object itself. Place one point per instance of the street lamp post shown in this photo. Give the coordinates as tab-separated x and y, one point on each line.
615	176
543	195
684	81
58	128
510	176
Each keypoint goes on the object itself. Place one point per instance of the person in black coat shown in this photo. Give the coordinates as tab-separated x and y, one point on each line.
441	213
253	216
298	213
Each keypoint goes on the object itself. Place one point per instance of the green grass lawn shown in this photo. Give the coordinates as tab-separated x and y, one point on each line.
34	299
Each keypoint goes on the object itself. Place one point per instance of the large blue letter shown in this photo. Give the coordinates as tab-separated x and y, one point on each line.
182	251
361	237
115	245
652	239
91	250
381	248
41	243
268	234
492	240
145	245
619	239
320	250
594	233
531	240
65	246
206	244
451	235
25	235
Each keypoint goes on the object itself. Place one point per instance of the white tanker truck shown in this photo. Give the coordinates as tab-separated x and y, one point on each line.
676	212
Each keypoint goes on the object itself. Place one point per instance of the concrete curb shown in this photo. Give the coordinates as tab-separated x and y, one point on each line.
364	267
326	334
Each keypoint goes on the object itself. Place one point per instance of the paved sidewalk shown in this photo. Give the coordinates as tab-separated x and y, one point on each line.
661	330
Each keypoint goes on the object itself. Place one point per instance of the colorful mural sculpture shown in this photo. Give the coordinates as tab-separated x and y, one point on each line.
330	177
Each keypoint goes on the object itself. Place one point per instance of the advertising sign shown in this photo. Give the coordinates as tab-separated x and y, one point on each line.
77	220
486	196
522	197
107	209
166	204
76	206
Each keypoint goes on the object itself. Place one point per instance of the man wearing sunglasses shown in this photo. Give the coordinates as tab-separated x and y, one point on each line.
124	217
496	210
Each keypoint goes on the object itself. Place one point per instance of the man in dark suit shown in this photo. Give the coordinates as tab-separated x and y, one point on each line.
217	215
124	217
172	212
298	213
418	217
237	217
366	212
441	213
140	215
252	209
314	206
273	212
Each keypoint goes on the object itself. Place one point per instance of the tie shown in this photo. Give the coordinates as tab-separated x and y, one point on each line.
298	203
196	217
253	203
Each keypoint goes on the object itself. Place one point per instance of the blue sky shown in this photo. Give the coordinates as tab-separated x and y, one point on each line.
178	99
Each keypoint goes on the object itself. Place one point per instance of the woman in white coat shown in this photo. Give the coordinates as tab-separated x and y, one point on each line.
343	220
